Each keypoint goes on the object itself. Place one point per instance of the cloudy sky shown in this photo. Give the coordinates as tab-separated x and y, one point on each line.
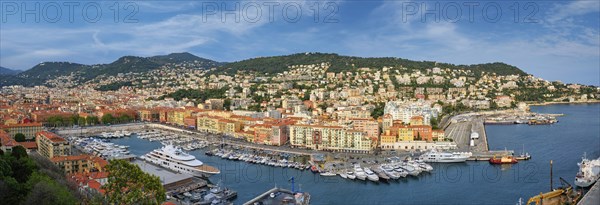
556	40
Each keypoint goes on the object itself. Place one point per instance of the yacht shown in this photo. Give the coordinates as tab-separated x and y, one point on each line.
327	174
172	157
371	175
350	175
389	170
358	171
445	157
589	172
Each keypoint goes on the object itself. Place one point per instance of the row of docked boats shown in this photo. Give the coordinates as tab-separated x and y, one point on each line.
384	172
257	159
101	148
117	134
186	143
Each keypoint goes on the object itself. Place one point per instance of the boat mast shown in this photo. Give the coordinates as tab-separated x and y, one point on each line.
551	175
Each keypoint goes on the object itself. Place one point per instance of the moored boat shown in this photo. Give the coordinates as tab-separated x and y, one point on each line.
503	160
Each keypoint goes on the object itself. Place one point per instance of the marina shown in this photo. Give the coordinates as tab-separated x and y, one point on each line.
249	178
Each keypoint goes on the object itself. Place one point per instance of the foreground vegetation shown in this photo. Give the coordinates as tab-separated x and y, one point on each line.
33	180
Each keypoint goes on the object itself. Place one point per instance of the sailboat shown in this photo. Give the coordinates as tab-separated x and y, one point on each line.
524	155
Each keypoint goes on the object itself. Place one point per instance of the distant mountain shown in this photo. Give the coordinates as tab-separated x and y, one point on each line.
42	72
8	71
277	64
184	57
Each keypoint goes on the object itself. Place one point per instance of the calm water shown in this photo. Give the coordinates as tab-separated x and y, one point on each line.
467	183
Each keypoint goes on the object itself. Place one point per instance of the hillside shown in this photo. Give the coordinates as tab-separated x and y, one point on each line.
184	57
276	64
7	71
42	72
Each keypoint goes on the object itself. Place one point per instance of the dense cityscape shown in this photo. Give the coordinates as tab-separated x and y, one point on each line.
299	102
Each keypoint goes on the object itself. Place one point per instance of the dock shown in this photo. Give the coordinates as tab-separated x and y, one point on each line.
592	197
172	182
279	196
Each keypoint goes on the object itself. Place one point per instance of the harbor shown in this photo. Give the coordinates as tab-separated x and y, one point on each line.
252	179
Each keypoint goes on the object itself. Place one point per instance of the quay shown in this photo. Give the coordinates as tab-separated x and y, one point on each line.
278	196
173	182
592	197
461	130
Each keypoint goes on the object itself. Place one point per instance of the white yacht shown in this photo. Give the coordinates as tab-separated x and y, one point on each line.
371	175
589	172
389	170
445	157
350	175
174	158
358	171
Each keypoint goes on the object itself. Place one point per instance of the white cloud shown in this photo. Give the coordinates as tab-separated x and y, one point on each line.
572	9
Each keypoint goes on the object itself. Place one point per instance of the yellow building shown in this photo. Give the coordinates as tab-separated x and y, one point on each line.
79	163
406	133
28	129
51	145
331	138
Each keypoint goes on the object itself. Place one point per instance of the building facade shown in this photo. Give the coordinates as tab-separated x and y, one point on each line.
51	145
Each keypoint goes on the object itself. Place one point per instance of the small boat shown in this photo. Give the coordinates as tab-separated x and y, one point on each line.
350	175
503	160
327	174
371	175
360	174
314	169
343	175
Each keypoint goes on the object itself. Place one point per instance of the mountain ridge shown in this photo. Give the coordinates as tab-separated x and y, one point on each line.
8	71
44	71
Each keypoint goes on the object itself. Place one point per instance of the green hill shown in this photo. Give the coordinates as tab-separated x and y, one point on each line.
184	57
42	72
8	71
277	64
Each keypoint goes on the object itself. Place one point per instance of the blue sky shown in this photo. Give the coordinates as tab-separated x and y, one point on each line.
555	40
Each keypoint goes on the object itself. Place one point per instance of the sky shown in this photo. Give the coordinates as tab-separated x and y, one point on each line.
555	40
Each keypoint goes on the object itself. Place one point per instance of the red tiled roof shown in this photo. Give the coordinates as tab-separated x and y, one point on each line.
33	124
51	136
7	141
69	158
29	145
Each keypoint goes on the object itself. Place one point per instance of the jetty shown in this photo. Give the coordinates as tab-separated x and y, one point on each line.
592	197
278	196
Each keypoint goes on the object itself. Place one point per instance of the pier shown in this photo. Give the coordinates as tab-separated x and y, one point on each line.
592	197
460	129
278	196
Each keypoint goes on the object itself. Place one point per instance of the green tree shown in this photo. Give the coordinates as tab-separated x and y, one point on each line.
18	152
378	111
226	104
108	119
19	137
91	120
44	189
128	184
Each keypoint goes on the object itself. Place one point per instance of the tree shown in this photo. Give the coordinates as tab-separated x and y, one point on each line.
91	120
128	184
19	152
107	119
19	137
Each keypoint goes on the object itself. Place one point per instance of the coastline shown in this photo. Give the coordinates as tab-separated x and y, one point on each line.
558	103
